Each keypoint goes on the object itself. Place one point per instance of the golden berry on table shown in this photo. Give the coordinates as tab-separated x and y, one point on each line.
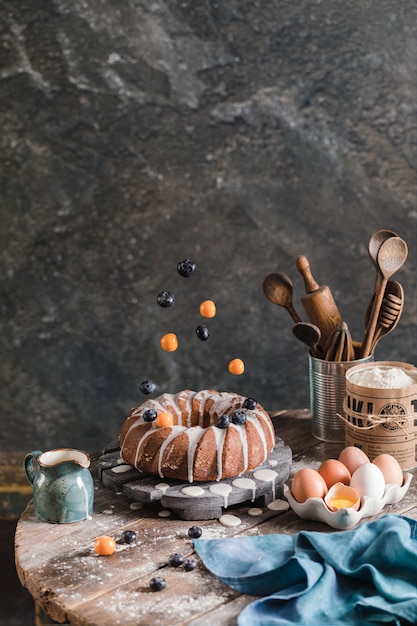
105	545
164	419
169	342
208	308
236	366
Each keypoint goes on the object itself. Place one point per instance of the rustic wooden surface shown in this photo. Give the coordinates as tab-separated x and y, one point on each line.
71	584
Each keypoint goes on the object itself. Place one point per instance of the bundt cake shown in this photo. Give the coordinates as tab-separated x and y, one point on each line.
197	436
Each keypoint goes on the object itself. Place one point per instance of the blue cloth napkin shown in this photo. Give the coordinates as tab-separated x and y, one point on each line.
367	575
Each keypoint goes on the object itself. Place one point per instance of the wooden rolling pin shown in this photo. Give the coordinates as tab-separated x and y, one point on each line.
318	303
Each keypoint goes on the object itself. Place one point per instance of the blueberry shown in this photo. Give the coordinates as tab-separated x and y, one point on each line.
194	532
190	564
158	583
165	298
149	415
176	559
147	387
239	417
202	332
223	421
186	268
250	404
128	536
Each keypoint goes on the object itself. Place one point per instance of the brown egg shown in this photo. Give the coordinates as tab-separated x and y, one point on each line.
353	457
334	471
307	483
390	468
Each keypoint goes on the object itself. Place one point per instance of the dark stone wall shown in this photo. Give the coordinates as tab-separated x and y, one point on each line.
238	134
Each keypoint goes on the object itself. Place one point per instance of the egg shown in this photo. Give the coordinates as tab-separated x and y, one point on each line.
342	496
334	471
390	468
307	483
368	480
353	457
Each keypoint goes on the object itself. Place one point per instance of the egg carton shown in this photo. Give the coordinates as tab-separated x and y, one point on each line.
141	487
316	509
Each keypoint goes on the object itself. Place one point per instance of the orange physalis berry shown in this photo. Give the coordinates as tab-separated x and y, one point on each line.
208	308
105	545
164	419
236	366
169	342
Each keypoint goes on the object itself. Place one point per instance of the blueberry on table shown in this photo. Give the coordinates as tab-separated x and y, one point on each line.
194	532
158	583
250	404
186	268
239	417
223	421
128	536
190	564
202	332
165	298
147	387
176	559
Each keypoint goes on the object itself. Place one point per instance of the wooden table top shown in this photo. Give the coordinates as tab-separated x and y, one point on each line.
59	567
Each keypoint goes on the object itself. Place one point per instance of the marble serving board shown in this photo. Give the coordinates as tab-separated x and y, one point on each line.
205	500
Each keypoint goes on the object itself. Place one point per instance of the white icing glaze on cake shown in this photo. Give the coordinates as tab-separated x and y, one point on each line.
194	447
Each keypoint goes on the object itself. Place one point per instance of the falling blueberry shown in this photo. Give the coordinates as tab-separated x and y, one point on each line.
128	536
165	298
223	421
202	332
186	268
239	417
250	404
147	387
157	583
176	559
194	532
190	564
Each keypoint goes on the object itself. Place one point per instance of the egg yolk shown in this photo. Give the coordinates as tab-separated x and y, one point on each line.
236	366
105	545
164	419
169	342
208	308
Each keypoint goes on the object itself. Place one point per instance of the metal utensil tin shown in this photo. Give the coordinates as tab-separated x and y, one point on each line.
327	394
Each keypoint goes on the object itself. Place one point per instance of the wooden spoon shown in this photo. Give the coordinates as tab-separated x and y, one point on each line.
391	256
278	289
390	312
309	334
374	244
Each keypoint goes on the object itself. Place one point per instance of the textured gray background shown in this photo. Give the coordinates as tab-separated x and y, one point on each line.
239	134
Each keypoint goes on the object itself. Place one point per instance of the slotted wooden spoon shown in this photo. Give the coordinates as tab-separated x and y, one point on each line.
390	312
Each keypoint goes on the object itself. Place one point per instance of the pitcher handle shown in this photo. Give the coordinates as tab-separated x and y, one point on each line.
28	464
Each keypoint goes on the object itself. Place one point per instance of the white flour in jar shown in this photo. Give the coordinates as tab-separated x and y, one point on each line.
384	377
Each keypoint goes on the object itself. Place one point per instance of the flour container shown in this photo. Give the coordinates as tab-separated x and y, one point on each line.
327	395
380	410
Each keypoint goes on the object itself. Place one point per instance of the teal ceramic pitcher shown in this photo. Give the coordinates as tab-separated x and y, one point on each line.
63	487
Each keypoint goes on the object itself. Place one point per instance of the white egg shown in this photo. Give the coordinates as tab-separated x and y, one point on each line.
368	480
